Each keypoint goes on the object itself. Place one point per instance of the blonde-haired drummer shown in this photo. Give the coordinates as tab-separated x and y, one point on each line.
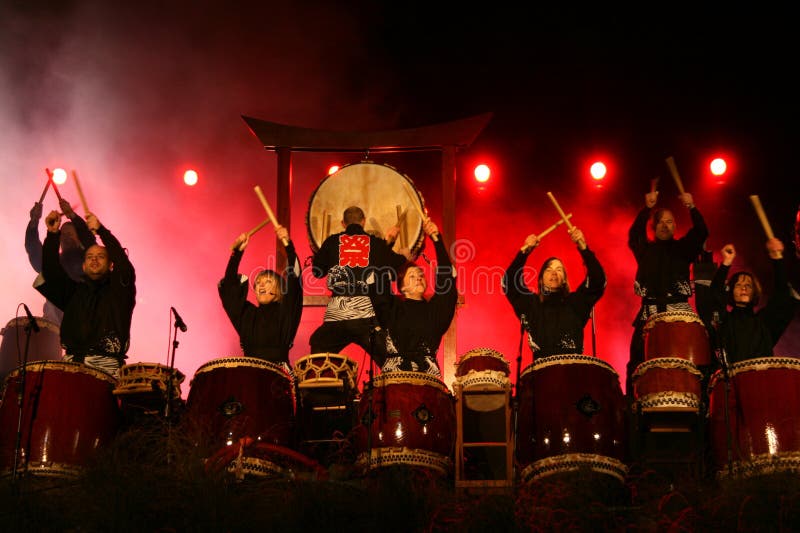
662	274
415	324
555	316
266	330
352	260
742	331
98	309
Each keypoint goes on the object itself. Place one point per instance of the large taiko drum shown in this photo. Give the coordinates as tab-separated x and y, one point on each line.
407	418
483	369
571	417
677	334
44	345
237	397
667	384
326	370
144	387
68	412
763	414
385	195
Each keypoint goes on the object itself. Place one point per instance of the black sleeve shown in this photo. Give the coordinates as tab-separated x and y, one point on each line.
517	293
326	257
637	234
781	307
57	286
692	242
123	268
33	246
292	301
85	235
594	285
445	296
233	292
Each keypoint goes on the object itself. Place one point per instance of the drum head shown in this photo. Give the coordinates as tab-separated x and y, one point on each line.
381	191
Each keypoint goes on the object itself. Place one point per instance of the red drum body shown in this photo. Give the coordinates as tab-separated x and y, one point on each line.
483	369
43	346
237	397
408	418
571	417
763	413
679	334
386	196
68	412
143	387
667	384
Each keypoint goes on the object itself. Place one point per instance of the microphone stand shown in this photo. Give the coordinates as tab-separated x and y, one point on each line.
515	399
723	360
168	415
369	388
20	403
594	335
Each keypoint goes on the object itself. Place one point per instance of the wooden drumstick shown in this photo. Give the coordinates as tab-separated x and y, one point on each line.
551	228
565	218
401	223
80	192
47	186
254	230
269	211
412	196
763	218
674	170
53	183
654	184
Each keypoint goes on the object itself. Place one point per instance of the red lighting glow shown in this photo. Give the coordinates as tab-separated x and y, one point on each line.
718	166
190	177
333	169
482	173
598	170
59	176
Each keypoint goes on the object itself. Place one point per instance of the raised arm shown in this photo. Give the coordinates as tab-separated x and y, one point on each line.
33	246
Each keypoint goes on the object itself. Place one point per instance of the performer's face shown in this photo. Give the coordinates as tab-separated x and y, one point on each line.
665	226
553	275
95	262
267	289
743	290
69	237
414	284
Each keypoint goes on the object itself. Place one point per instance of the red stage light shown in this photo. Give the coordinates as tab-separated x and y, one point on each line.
59	176
482	173
333	169
598	170
190	177
718	166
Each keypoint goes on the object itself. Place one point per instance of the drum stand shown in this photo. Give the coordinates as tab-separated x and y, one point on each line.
20	403
723	359
168	414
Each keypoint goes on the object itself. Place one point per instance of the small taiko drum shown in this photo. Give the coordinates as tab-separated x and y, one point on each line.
667	384
571	417
406	418
144	387
68	412
326	370
482	369
678	334
237	397
763	415
44	345
387	197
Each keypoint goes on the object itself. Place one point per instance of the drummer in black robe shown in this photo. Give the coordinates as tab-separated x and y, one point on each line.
266	330
415	325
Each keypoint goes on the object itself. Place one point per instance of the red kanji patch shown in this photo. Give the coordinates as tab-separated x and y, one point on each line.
354	250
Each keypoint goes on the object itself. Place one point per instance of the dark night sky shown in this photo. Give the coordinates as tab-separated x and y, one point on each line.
132	94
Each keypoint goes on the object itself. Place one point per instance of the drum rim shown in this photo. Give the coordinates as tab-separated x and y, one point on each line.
770	362
40	321
419	244
236	362
477	352
405	377
551	360
652	319
67	366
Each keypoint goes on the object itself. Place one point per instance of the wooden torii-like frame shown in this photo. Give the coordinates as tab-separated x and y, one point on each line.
446	137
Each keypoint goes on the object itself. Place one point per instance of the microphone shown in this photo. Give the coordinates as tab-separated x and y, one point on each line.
31	321
178	320
524	321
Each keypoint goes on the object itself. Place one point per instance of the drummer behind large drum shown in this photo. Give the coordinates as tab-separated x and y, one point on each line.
743	332
662	275
351	260
75	239
414	325
555	317
266	330
98	309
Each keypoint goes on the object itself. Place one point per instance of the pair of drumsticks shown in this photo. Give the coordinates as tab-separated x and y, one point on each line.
51	183
754	199
270	217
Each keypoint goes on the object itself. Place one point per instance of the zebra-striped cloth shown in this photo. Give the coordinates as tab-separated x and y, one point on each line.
109	365
348	308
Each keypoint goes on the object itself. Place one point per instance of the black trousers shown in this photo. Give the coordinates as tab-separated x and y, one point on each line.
333	336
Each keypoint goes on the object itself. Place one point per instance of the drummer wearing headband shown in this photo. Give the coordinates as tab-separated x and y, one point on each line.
742	332
555	317
415	325
352	260
266	330
98	309
662	275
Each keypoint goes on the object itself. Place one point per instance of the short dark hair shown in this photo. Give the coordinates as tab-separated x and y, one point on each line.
353	215
401	273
